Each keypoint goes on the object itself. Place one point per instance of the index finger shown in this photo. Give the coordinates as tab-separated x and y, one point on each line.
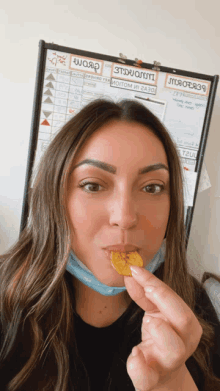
171	305
137	293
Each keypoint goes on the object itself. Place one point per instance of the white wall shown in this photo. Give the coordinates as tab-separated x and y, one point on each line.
182	35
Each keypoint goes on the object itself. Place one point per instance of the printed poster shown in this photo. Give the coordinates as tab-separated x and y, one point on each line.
72	81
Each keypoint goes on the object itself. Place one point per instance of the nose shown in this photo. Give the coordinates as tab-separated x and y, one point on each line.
123	211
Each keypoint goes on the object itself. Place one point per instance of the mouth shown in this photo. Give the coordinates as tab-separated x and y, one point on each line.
128	248
108	252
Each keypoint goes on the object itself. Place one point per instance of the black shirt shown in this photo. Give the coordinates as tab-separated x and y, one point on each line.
104	352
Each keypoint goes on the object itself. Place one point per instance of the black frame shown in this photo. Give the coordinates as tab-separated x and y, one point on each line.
43	47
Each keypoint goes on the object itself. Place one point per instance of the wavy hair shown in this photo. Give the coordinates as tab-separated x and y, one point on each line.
36	303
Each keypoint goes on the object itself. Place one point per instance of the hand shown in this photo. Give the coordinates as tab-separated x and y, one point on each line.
168	340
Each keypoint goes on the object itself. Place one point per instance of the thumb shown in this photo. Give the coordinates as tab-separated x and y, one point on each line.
143	377
136	292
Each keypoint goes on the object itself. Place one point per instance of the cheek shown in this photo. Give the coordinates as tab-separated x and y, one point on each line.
89	216
157	215
83	214
162	218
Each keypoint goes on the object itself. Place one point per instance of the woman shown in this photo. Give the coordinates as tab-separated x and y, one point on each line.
69	321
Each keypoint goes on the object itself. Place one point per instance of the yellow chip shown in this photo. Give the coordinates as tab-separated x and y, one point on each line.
121	261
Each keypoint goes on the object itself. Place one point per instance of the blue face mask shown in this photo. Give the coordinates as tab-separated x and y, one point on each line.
83	274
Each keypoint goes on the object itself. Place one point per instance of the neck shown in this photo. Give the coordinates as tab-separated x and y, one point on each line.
96	309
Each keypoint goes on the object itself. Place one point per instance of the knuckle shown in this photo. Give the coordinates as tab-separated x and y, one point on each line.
150	280
182	352
158	321
187	320
177	356
200	330
163	292
197	338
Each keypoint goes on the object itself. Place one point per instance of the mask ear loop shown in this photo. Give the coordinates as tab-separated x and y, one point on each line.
80	263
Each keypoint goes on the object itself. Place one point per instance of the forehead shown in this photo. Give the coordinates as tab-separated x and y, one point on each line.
123	142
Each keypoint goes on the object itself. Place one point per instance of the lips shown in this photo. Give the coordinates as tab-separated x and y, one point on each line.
122	248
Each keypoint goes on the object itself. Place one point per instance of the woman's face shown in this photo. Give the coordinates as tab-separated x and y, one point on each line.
120	206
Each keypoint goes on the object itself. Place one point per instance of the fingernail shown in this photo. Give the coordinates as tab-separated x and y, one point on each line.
149	289
135	351
147	319
134	270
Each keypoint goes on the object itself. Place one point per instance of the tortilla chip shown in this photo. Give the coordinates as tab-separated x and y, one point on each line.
121	261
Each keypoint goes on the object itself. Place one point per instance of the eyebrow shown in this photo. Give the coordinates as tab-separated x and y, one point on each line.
113	169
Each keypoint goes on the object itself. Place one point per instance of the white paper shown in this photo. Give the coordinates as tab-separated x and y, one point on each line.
72	81
189	187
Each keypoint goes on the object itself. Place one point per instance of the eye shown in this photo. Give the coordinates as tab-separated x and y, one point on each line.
93	184
153	185
96	185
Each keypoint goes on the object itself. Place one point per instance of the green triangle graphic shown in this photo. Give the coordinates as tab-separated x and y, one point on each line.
50	77
47	113
48	92
48	100
50	85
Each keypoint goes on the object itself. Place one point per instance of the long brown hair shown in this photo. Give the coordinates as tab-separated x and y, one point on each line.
34	291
